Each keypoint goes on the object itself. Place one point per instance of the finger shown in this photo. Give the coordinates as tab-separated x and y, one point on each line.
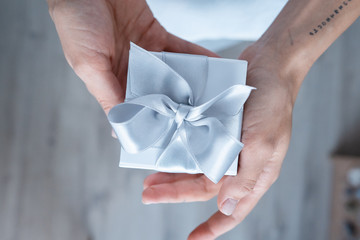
163	177
219	223
235	188
197	189
176	44
103	85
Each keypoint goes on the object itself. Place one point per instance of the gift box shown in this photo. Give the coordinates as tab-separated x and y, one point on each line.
182	113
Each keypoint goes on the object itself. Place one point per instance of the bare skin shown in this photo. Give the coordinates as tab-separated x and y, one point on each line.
95	37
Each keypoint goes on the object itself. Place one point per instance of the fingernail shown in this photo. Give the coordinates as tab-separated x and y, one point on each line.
229	206
113	134
147	203
145	196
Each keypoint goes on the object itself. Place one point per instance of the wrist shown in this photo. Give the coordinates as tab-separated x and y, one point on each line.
295	39
289	66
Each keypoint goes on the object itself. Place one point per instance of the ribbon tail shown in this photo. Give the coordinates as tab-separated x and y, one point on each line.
176	157
212	147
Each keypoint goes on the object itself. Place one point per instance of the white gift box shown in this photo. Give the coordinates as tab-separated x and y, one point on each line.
207	77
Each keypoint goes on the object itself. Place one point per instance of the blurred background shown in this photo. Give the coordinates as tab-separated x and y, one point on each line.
58	162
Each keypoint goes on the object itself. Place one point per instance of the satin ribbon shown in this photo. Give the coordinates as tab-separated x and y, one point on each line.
197	131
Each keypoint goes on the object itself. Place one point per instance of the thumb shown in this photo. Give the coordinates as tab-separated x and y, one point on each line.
235	188
103	85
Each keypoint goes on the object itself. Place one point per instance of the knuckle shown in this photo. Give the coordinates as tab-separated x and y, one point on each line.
247	185
53	8
276	176
60	8
270	177
106	106
207	188
80	68
268	146
203	184
273	172
147	180
151	32
210	231
176	195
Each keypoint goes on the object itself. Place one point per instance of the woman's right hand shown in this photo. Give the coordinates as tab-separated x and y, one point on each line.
96	34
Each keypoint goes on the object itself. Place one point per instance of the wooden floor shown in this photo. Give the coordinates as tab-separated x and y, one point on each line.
58	163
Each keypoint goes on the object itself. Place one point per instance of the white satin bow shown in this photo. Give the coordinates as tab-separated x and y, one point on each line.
167	110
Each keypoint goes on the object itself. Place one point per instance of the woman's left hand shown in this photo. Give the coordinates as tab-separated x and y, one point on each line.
265	134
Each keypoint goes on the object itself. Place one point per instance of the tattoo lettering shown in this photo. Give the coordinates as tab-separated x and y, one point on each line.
337	11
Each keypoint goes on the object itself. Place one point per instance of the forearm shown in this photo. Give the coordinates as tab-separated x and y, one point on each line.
303	31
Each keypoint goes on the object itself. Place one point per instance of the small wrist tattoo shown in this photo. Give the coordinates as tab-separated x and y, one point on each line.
330	18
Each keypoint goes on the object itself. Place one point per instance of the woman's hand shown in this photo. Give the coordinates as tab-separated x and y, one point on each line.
266	135
278	63
96	34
